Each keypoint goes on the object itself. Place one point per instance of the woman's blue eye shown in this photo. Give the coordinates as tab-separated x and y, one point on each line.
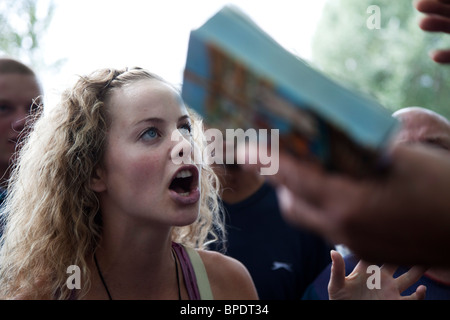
150	134
186	129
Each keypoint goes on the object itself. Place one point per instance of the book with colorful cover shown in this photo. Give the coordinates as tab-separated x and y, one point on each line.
237	76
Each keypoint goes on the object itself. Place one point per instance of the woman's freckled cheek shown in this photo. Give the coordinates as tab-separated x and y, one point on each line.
146	173
139	168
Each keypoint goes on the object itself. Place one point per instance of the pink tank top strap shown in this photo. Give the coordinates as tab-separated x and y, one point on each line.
190	279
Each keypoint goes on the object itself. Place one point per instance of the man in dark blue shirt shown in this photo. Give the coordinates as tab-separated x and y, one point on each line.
281	259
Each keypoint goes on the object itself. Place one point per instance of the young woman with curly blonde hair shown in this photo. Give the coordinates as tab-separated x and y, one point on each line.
96	186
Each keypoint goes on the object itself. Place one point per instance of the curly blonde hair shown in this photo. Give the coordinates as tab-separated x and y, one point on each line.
52	215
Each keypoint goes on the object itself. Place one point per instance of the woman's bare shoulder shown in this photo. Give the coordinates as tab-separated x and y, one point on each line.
229	278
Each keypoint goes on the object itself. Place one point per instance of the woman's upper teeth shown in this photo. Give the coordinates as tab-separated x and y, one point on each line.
184	174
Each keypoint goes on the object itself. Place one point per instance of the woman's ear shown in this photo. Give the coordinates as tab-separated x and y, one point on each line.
97	180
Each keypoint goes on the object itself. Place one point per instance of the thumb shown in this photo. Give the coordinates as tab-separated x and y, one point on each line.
337	276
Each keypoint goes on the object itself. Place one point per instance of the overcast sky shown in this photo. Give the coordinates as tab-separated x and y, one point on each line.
154	34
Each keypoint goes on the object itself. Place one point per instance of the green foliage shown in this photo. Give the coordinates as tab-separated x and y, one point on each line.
390	63
23	24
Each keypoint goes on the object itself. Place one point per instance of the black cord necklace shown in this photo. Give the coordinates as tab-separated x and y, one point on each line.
101	277
106	287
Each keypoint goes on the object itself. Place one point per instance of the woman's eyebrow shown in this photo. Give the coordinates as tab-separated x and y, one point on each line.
186	116
160	120
152	120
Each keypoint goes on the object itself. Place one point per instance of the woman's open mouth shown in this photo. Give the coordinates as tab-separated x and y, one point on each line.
184	187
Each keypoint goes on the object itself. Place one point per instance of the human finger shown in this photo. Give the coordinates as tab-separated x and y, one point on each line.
299	212
297	174
410	277
435	23
441	56
434	7
304	179
419	294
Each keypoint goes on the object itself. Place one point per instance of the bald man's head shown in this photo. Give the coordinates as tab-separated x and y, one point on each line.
420	125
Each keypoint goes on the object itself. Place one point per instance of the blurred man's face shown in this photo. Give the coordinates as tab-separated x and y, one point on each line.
17	93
